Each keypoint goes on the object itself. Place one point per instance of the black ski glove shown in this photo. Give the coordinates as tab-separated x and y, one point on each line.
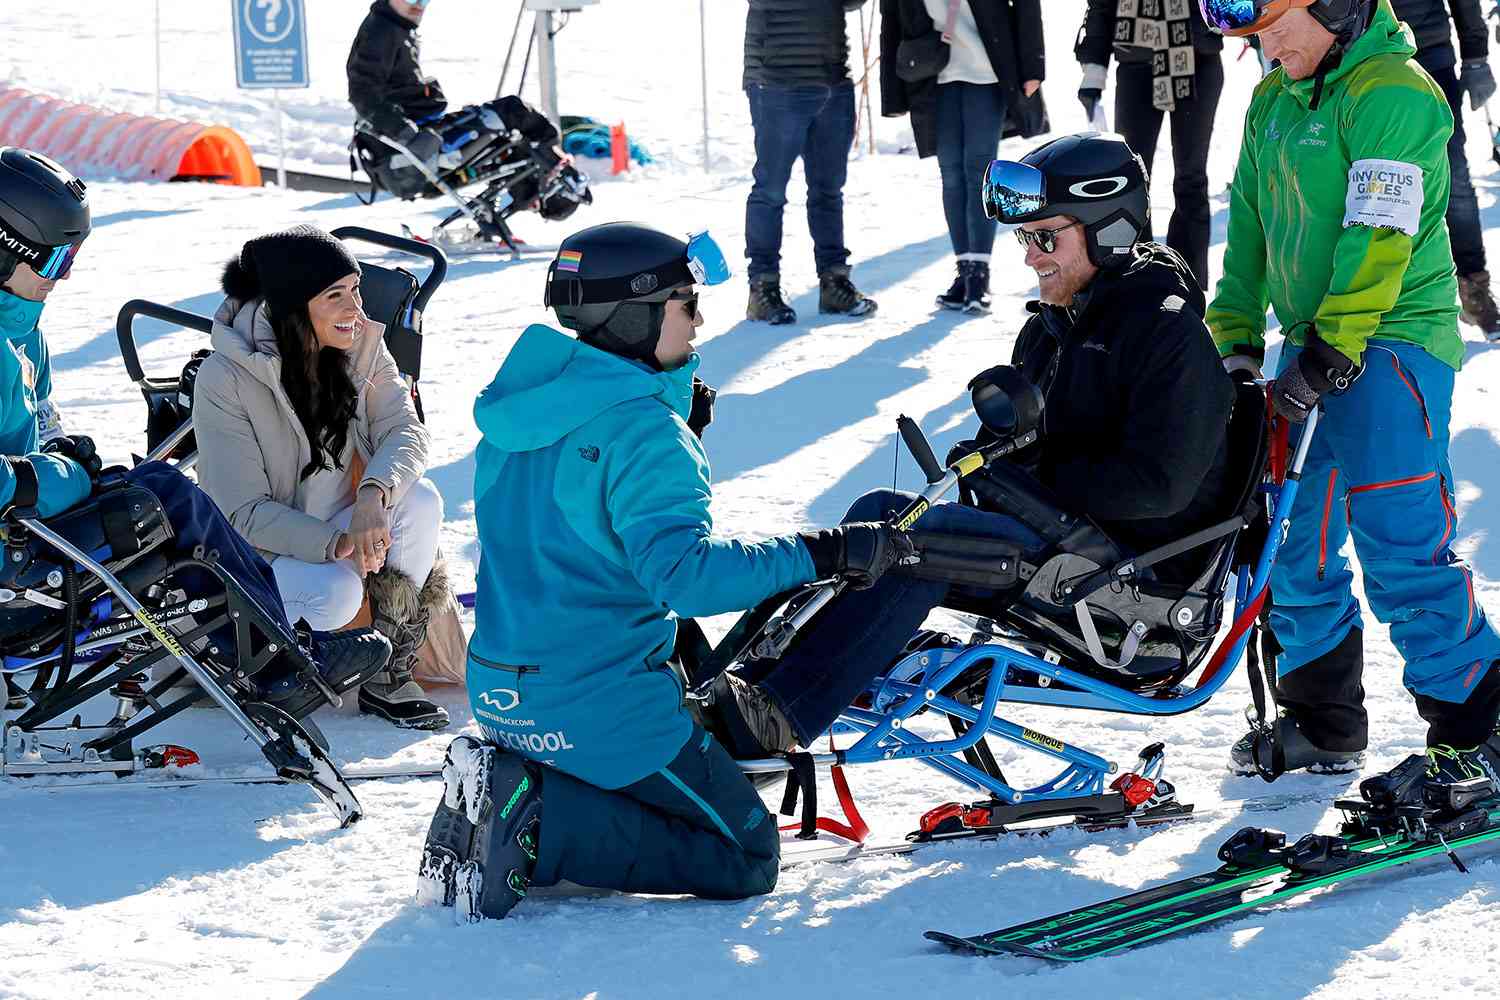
859	552
80	449
1319	369
1476	78
702	412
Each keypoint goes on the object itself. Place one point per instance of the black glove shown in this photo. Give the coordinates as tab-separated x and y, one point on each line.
1319	369
702	413
1091	91
1476	78
80	449
859	552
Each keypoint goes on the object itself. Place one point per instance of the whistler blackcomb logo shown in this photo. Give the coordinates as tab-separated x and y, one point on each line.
15	246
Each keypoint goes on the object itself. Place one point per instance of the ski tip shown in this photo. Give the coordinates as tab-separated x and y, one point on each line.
952	941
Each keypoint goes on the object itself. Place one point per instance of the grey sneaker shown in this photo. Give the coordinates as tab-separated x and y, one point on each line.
1301	754
748	723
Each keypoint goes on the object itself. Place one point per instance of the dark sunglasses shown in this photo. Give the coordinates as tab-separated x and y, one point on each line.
1044	240
689	303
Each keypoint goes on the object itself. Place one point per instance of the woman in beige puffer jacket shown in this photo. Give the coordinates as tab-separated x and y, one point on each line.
309	442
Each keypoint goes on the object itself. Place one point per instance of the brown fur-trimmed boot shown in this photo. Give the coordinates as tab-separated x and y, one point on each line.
401	613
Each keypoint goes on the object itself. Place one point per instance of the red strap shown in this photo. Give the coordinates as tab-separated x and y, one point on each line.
856	830
1241	626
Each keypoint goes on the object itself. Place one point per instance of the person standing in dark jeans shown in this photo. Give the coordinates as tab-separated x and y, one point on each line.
996	53
801	105
1430	22
1169	65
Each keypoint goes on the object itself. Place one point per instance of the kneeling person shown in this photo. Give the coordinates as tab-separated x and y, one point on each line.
592	495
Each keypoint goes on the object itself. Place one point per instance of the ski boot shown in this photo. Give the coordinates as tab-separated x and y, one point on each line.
1299	751
767	303
482	845
838	296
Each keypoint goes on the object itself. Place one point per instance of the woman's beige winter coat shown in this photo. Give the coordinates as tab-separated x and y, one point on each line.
252	449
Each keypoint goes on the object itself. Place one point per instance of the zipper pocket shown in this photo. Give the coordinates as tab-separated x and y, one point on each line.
1333	475
1450	518
1387	485
1411	388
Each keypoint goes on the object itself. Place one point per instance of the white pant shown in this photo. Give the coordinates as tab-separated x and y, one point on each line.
329	594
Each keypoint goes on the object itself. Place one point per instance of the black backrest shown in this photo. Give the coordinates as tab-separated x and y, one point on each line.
389	294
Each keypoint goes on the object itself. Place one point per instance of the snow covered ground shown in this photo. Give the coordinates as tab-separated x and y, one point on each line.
250	892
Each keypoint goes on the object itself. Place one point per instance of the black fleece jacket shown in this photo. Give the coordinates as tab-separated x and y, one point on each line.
386	85
1138	403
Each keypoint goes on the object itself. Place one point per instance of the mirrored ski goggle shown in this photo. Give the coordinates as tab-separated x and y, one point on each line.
56	265
1012	191
705	260
1245	17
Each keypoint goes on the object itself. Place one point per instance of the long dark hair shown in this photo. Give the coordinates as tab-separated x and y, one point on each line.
318	383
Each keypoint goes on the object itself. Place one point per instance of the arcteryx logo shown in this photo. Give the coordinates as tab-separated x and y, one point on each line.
1381	181
16	247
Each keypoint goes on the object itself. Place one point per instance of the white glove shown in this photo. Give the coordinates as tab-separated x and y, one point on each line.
1242	363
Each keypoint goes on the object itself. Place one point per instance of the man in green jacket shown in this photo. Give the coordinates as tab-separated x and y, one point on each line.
1337	223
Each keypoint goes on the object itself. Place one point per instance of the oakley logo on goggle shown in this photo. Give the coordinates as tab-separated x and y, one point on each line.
1099	187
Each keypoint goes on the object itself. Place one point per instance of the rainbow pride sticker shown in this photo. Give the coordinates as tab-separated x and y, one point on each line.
569	260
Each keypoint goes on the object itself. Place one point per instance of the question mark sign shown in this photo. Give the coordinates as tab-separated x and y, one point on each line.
273	12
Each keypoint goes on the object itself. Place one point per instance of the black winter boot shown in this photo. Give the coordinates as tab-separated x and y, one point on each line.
343	659
957	295
1327	696
837	295
977	297
766	302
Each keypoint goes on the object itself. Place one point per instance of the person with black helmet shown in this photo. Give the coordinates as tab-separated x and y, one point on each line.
1337	220
45	217
591	499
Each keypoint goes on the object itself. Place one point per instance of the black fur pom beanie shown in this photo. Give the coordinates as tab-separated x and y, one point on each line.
287	268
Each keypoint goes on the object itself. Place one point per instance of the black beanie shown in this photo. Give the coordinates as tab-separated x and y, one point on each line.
288	268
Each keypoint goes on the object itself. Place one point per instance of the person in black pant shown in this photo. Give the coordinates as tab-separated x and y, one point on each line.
394	98
1430	22
1169	64
801	105
995	54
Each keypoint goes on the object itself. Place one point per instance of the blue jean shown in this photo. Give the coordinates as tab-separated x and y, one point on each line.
970	118
1464	229
817	124
857	636
695	826
196	520
1378	470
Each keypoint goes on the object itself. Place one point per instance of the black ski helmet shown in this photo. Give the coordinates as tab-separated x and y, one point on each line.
44	210
609	283
1094	177
1345	20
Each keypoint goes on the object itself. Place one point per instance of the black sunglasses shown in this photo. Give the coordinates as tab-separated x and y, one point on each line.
1044	240
689	303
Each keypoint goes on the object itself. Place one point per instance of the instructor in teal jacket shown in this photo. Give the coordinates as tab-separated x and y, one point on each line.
592	499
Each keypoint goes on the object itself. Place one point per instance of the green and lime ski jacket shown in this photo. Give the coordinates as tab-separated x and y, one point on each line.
1336	213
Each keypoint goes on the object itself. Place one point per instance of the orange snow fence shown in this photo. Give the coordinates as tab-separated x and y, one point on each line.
94	142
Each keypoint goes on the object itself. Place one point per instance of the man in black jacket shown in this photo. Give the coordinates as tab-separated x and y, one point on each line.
1134	434
1169	65
1430	22
801	105
393	97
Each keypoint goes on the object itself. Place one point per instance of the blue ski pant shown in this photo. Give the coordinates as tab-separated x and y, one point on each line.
1377	470
695	826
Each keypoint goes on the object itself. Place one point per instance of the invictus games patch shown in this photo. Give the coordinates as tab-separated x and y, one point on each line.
1385	194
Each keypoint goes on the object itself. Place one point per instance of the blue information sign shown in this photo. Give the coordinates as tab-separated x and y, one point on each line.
270	43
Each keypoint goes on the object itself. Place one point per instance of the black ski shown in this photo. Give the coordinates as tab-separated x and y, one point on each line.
1259	869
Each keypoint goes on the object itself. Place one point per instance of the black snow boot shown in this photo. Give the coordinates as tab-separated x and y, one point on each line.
837	295
344	659
977	296
1478	303
1299	752
401	614
767	303
957	295
481	848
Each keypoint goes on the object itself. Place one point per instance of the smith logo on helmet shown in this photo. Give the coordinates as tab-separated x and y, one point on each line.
16	247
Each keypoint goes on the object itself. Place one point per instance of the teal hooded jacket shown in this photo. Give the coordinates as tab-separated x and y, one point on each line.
591	497
25	382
